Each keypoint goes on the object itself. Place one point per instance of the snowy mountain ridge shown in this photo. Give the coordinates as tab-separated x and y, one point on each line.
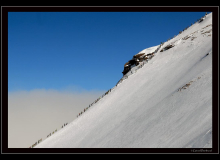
163	102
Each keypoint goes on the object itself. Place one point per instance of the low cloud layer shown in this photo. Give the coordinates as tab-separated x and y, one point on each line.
32	115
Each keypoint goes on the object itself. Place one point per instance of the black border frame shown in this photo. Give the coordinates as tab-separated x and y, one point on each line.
4	79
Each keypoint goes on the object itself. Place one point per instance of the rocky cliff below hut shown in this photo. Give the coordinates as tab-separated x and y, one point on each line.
143	56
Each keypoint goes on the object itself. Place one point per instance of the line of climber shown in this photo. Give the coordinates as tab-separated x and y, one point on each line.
85	109
32	146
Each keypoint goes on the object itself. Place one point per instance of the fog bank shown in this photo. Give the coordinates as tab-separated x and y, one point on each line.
32	115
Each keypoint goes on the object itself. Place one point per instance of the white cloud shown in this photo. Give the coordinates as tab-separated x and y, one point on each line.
32	115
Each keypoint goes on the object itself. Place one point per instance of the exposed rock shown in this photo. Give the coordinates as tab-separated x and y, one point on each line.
167	47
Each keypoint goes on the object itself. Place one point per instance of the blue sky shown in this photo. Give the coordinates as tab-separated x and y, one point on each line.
82	50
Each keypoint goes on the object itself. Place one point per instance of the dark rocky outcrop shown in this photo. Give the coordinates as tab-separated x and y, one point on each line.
126	69
167	47
127	66
140	55
139	58
135	61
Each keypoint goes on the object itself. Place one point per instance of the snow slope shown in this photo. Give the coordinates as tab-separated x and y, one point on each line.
165	104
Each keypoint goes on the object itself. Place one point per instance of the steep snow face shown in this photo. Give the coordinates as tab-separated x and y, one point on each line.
165	104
